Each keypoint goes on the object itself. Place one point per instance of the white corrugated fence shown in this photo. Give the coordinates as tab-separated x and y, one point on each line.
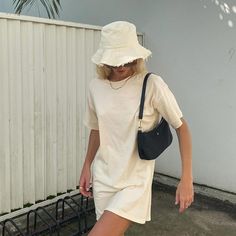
45	68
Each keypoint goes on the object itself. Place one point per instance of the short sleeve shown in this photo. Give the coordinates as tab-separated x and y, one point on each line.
165	103
90	117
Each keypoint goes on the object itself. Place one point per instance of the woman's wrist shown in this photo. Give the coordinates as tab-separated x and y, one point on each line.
187	178
87	164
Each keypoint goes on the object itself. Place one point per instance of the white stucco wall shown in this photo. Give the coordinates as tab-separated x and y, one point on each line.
194	50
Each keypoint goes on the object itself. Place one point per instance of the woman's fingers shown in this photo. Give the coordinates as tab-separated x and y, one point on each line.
184	197
85	192
85	189
185	203
177	197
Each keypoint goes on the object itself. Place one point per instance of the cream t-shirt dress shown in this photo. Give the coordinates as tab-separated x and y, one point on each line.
121	181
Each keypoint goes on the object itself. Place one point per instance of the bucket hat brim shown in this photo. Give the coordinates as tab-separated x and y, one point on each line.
120	56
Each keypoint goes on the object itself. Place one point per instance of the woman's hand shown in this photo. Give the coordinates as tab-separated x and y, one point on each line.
84	183
184	194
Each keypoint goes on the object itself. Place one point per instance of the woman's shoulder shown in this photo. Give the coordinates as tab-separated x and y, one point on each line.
157	82
94	82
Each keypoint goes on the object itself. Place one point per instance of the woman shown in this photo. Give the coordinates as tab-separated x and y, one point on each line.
121	180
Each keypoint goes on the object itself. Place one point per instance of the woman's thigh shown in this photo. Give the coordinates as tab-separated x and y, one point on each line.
110	224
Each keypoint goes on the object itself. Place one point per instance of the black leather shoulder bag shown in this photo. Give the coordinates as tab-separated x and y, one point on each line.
152	143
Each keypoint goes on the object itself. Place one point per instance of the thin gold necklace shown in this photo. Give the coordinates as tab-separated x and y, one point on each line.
116	88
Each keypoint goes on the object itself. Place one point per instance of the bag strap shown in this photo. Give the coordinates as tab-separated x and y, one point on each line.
140	116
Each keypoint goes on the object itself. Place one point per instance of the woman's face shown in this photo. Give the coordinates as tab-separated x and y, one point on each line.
123	71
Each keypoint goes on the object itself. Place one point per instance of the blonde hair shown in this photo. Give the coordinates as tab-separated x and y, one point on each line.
104	71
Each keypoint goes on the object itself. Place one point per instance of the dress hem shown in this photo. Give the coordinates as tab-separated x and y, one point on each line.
127	216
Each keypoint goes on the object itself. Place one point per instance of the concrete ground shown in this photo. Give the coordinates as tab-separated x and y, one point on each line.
206	217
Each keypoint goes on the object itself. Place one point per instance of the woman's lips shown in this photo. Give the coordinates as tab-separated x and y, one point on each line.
120	70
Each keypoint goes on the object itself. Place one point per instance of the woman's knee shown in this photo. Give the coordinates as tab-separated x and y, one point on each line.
110	224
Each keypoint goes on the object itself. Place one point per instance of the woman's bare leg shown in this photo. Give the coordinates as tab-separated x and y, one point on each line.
110	224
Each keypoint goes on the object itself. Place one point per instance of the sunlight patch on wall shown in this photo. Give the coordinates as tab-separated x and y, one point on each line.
226	11
234	9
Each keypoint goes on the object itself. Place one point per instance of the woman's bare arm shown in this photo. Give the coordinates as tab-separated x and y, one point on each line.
185	193
93	145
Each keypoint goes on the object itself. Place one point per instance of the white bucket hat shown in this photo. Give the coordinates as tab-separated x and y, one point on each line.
119	45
